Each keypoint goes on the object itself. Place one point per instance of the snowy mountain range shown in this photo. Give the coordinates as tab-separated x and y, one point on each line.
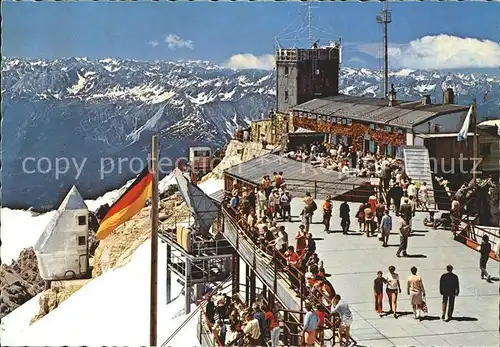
87	110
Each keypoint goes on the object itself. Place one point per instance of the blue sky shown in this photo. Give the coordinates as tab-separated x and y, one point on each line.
219	31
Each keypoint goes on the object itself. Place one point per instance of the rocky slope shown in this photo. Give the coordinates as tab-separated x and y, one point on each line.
116	250
19	281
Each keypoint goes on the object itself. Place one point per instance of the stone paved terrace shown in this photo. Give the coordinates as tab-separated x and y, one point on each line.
354	259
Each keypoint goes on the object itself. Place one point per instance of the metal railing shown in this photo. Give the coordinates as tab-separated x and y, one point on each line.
320	189
472	234
288	285
198	247
199	309
259	260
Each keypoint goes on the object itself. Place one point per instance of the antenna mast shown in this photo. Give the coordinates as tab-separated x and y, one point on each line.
384	18
309	23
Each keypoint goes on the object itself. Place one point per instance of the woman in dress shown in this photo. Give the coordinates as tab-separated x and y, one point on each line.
301	240
360	215
392	289
416	292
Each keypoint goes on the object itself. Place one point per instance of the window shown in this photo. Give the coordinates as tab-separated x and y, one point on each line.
286	70
371	146
389	150
372	127
199	154
484	149
388	129
344	121
399	131
334	139
81	241
286	95
334	120
82	220
399	152
349	121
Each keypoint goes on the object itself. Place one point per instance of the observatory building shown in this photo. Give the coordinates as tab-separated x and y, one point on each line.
305	74
62	249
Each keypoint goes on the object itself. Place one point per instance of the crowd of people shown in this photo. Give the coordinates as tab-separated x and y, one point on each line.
259	213
349	161
236	324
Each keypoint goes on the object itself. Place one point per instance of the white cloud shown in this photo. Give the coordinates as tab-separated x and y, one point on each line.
439	52
176	42
357	60
153	43
250	61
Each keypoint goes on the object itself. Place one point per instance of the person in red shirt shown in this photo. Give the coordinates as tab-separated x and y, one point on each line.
327	212
273	326
293	259
301	240
320	330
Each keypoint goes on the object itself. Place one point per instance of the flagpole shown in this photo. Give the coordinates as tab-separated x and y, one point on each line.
154	243
474	148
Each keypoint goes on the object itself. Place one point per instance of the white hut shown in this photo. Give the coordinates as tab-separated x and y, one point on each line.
62	249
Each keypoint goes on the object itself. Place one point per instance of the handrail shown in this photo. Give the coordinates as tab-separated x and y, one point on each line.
198	308
472	228
210	327
298	277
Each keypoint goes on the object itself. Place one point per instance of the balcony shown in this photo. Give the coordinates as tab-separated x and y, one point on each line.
262	263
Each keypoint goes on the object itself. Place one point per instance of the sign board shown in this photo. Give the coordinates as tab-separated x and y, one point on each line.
374	181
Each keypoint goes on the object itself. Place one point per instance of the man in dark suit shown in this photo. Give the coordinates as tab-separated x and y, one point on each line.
395	193
449	288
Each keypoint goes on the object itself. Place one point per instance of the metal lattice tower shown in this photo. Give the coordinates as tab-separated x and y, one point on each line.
384	17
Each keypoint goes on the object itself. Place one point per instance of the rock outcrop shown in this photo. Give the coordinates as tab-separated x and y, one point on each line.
117	249
237	152
19	281
53	297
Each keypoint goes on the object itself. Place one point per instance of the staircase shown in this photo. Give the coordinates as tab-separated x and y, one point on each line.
418	168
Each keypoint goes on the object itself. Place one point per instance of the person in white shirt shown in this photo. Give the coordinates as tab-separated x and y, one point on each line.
342	308
392	289
279	242
272	204
385	163
411	189
252	330
231	334
345	169
262	199
398	177
424	194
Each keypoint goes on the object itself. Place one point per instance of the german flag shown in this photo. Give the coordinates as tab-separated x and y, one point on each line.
127	205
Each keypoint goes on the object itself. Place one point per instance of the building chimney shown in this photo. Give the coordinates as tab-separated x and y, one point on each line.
448	96
392	96
426	99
